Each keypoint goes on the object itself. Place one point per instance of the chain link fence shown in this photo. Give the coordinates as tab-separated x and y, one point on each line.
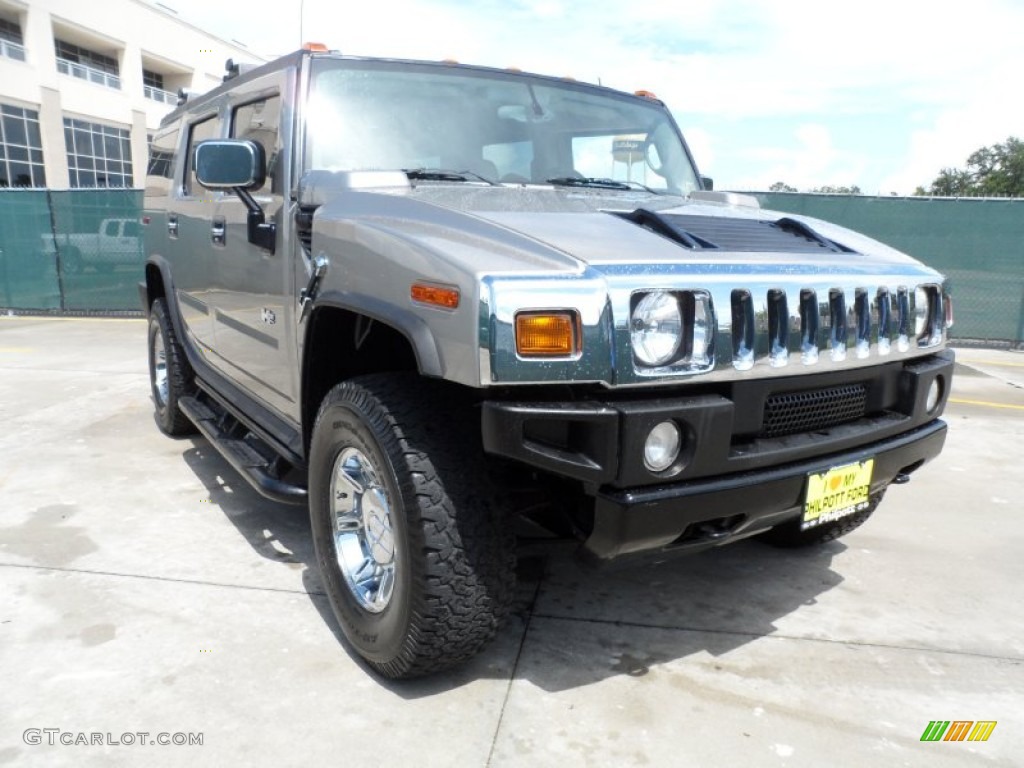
73	251
978	243
82	251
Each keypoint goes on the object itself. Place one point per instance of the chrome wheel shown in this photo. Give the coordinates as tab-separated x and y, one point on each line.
160	369
364	542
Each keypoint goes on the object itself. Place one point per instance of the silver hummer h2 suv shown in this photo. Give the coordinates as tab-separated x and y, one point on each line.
425	297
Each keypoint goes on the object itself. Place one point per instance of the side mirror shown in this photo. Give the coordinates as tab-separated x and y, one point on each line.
230	164
239	166
706	182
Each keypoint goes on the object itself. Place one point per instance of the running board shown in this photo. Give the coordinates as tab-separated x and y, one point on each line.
221	428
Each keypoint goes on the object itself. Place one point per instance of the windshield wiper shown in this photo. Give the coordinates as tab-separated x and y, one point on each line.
599	183
443	174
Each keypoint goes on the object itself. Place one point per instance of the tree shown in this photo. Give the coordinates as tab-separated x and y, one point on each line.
781	186
830	190
996	171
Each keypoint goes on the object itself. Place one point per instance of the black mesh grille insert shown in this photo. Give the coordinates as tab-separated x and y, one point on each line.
793	412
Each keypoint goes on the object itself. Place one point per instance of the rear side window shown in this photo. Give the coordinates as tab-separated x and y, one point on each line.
259	121
201	131
160	171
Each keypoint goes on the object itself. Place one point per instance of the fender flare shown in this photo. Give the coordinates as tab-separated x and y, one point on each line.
411	326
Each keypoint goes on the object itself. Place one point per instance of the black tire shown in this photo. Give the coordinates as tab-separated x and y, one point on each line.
71	261
453	539
789	536
179	376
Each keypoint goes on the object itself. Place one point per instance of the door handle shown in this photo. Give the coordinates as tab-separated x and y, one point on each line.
172	224
218	230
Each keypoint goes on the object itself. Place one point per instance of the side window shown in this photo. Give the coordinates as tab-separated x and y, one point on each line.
207	129
160	170
259	121
111	229
131	229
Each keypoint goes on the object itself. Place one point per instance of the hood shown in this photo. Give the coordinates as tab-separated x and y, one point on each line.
511	229
606	229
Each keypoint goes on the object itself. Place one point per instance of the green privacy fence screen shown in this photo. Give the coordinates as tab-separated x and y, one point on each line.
81	250
977	243
74	250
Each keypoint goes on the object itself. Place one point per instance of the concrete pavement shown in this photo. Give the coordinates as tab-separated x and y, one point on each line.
145	588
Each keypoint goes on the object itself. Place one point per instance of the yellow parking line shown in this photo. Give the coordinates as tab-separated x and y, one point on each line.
993	362
986	403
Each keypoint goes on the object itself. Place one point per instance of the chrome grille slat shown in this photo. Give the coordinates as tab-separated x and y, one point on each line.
856	322
778	328
837	323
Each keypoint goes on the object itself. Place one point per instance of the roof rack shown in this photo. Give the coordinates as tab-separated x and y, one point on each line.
235	68
184	94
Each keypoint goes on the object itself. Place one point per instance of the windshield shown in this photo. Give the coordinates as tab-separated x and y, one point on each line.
489	126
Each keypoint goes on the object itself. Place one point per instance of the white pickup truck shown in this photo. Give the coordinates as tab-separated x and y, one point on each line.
116	242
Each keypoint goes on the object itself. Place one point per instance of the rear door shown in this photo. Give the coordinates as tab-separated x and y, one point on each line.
253	301
187	225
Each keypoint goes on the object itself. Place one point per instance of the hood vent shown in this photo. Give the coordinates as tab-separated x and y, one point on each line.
728	233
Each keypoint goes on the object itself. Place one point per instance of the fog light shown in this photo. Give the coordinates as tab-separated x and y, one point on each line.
934	394
662	447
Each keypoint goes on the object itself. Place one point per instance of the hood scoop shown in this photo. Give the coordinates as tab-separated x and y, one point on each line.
727	233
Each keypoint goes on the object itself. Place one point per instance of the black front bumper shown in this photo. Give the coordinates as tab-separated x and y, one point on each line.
730	480
706	513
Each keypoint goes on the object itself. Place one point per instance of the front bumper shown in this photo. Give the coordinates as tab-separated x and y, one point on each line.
710	512
733	478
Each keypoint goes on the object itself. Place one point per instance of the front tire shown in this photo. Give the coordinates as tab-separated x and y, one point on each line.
170	375
414	545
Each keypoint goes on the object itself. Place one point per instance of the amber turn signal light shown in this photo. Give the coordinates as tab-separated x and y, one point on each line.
546	334
437	295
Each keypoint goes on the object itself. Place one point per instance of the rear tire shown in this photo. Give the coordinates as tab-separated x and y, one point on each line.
789	536
170	375
414	544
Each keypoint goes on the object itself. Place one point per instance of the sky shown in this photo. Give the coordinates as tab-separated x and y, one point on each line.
881	94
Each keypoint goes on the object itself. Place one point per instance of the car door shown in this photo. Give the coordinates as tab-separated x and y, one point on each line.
254	299
189	213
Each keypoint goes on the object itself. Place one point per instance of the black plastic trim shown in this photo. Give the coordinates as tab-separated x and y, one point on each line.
657	519
410	325
271	436
272	487
601	442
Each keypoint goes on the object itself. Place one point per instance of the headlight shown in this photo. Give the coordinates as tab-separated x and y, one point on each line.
656	328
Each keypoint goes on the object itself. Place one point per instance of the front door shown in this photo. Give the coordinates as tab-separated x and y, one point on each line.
254	288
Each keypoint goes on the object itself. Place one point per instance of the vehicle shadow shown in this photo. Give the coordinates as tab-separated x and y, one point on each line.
571	624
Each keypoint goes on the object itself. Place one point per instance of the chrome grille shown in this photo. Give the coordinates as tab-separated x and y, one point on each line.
793	412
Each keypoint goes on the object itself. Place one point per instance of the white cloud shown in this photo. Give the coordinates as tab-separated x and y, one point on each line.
918	67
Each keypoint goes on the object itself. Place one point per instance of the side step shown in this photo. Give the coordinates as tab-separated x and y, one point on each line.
221	429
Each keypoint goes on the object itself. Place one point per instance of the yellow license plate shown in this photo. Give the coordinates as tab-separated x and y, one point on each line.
835	494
